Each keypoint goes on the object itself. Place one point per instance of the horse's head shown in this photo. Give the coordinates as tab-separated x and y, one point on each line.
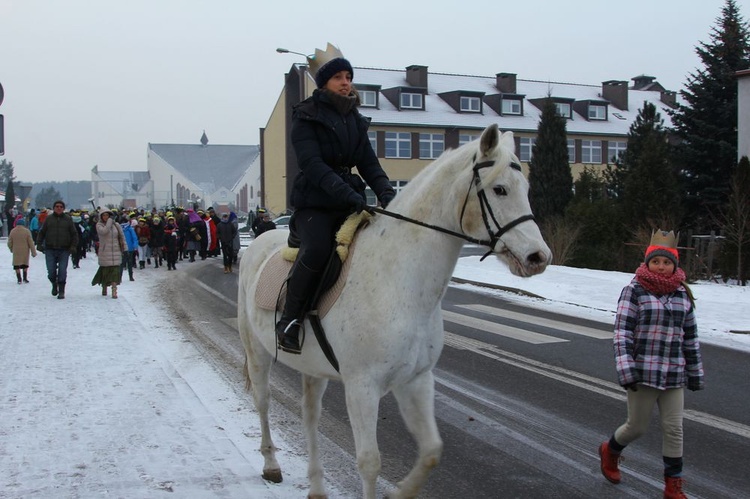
496	206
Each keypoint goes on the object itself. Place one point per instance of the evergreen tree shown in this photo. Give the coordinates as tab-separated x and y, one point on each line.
47	197
650	188
707	123
10	196
6	172
550	180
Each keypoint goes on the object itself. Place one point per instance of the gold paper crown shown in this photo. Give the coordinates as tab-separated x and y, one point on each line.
320	58
664	238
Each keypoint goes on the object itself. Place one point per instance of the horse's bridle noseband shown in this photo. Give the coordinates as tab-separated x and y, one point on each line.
484	204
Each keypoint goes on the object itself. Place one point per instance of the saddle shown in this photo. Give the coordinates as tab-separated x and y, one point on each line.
270	293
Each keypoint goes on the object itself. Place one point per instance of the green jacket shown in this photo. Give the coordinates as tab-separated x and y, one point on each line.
58	232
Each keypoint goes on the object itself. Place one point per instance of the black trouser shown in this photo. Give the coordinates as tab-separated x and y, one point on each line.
227	252
316	230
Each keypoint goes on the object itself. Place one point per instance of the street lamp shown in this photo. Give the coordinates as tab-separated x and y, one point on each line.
287	51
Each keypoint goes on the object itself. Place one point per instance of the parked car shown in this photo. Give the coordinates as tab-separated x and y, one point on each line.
282	222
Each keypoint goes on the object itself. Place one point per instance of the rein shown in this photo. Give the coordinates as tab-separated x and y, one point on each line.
483	204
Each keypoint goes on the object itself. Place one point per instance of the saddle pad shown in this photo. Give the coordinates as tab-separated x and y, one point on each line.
274	273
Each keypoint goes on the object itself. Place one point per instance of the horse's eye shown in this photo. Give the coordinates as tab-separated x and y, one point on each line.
500	190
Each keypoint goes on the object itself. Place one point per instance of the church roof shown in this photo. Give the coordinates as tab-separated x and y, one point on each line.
208	166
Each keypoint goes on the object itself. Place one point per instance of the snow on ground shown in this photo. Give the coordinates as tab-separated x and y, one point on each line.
103	397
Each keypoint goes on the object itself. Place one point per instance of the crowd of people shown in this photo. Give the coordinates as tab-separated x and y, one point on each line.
123	240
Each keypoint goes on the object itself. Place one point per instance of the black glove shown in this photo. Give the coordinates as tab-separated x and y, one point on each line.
694	384
631	386
40	248
355	202
386	198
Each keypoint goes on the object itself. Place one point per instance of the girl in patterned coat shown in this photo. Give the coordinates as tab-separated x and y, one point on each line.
657	355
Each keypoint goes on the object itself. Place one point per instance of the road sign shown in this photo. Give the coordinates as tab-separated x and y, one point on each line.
2	135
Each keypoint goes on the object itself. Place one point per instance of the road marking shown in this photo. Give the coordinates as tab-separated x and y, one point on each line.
500	329
540	321
586	382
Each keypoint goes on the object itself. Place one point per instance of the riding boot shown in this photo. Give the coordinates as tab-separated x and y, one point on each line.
300	286
25	276
61	290
18	276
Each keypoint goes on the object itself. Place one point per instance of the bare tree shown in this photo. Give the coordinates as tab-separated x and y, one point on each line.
734	219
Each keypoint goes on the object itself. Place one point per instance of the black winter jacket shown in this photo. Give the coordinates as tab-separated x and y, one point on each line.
328	145
58	232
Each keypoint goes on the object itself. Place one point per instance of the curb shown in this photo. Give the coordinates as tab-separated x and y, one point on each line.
517	291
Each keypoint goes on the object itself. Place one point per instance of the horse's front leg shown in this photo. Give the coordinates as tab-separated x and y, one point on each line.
362	400
416	402
312	401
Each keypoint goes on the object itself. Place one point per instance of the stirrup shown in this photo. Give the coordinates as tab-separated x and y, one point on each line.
287	343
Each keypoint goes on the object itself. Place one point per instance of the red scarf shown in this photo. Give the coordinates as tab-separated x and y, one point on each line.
659	284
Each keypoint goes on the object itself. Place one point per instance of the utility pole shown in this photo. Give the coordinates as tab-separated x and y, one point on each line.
2	124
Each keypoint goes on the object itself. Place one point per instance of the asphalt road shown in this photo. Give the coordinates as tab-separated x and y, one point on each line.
523	398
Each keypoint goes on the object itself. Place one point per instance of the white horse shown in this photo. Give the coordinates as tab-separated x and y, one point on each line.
386	329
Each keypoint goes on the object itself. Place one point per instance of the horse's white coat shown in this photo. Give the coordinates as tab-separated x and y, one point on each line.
386	329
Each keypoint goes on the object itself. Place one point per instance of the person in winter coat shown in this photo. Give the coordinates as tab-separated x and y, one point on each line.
265	224
112	244
226	232
57	239
329	137
172	243
156	242
131	242
144	236
34	226
236	244
196	230
213	236
20	243
657	355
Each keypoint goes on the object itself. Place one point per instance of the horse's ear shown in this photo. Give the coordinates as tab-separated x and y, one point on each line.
508	141
489	140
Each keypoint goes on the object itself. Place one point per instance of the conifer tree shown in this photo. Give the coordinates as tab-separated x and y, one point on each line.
707	122
550	180
651	193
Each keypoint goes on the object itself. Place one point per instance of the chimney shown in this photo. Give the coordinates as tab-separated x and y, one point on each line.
506	83
642	81
616	91
416	76
669	97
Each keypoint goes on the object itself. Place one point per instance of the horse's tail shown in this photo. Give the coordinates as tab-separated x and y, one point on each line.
246	373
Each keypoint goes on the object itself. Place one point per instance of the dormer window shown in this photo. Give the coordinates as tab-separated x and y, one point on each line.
471	104
597	112
369	98
563	109
411	101
511	106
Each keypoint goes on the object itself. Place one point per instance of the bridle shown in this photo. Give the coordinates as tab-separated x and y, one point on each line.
487	214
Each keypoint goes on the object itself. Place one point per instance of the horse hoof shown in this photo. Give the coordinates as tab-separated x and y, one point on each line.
273	476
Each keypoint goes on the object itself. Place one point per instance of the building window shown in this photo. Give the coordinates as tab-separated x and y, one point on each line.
591	151
563	109
597	112
397	185
373	136
465	138
615	149
411	101
397	145
527	145
511	106
369	98
431	145
470	104
571	150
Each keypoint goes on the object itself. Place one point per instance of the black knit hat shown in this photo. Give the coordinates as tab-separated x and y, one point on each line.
331	68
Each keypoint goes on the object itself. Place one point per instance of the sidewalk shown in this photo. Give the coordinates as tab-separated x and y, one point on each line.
102	397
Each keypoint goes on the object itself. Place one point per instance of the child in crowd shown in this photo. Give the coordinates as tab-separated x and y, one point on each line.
657	355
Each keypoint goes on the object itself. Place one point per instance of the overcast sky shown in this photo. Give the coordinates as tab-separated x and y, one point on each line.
92	82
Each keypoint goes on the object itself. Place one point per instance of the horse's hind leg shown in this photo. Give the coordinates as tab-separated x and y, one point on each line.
416	402
312	400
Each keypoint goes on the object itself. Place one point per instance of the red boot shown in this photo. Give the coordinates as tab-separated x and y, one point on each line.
673	488
609	463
